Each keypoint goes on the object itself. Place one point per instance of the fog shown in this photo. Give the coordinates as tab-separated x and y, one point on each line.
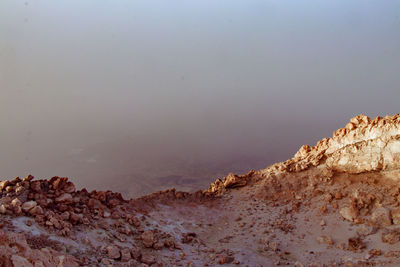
138	96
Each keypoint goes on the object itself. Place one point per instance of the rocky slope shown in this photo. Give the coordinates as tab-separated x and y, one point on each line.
334	204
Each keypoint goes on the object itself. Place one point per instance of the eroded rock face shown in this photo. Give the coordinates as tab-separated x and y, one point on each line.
364	145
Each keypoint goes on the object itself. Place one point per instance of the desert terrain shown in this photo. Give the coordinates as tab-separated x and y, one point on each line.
332	204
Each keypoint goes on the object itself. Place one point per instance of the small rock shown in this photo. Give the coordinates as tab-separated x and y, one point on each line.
355	244
37	210
19	261
224	259
148	258
381	217
27	206
148	239
349	213
4	184
396	216
3	209
125	255
113	252
16	202
66	197
325	240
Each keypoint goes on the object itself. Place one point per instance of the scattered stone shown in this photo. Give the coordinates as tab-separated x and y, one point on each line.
381	217
148	258
349	213
148	239
27	206
113	252
355	244
391	236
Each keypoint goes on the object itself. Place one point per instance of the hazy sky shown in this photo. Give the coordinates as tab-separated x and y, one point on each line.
99	89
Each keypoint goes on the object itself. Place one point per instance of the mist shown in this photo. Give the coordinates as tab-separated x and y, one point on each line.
138	96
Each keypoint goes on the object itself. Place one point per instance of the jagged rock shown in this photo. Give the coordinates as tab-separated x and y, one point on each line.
232	181
4	184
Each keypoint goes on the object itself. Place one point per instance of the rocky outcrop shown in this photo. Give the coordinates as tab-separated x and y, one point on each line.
364	145
230	181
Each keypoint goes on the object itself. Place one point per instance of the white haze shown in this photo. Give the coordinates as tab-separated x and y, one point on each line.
137	96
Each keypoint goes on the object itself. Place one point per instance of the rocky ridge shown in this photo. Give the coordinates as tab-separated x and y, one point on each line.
334	204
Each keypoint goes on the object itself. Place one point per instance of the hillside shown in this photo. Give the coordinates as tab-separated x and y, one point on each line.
333	204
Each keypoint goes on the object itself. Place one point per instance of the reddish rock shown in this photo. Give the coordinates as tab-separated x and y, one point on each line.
66	198
349	213
148	258
125	254
396	216
19	261
27	206
136	253
381	217
4	184
113	252
37	210
148	239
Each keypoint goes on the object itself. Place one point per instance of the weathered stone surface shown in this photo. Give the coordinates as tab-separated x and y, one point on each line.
113	252
19	261
234	181
396	216
349	213
4	184
381	217
148	258
148	239
27	206
125	254
363	145
66	197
